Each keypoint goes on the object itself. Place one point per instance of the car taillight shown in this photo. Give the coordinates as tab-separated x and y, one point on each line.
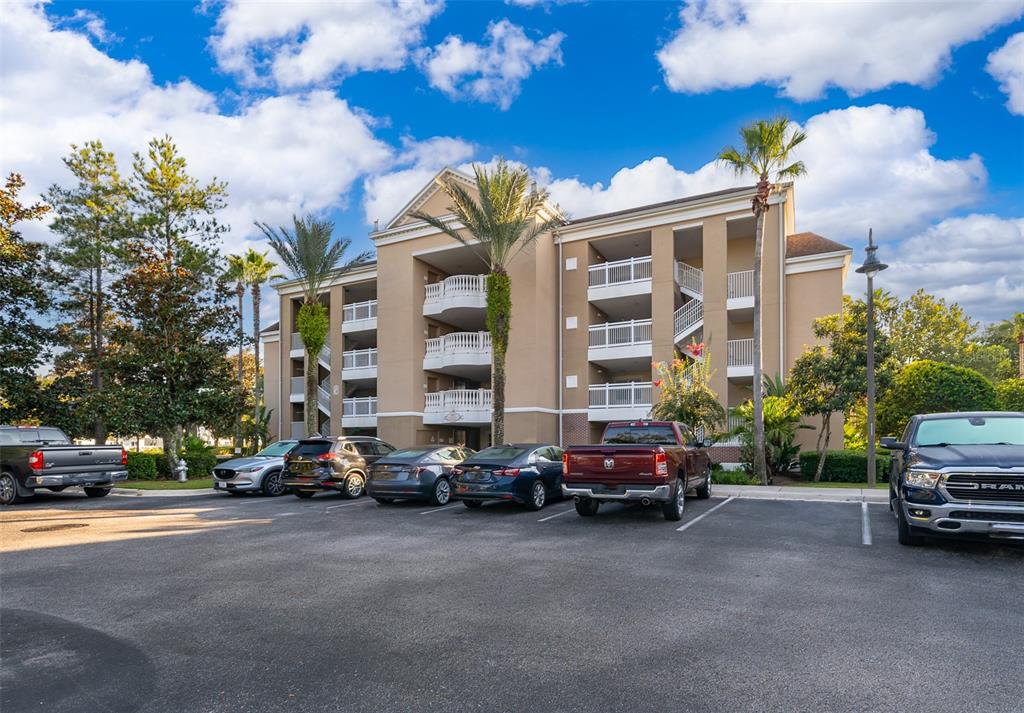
324	457
35	460
565	464
124	457
661	463
507	472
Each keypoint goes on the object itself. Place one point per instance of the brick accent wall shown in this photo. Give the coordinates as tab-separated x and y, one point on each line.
725	454
575	429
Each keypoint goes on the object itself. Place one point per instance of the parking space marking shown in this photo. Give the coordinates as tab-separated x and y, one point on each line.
445	507
557	514
865	525
703	515
348	505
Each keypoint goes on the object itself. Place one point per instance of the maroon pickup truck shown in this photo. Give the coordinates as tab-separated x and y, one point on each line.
648	462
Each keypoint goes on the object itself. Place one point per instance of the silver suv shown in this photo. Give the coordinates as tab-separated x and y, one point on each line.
260	472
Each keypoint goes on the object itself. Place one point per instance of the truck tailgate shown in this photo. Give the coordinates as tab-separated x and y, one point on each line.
611	464
75	460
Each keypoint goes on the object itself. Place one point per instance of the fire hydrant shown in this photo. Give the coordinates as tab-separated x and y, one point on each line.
182	469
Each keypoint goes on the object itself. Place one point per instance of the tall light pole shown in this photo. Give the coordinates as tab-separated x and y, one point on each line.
871	267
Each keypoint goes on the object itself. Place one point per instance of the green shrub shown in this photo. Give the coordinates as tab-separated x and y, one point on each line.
734	477
932	387
141	466
200	463
844	466
1010	393
163	466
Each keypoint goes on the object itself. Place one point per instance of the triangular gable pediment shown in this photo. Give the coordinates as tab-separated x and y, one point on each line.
431	199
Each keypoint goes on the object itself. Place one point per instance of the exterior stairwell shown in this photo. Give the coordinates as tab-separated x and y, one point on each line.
689	318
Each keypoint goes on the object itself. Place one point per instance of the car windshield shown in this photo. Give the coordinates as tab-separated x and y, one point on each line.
498	453
652	435
971	430
276	450
408	453
311	448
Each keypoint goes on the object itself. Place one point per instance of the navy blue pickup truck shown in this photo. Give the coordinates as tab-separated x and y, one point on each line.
958	474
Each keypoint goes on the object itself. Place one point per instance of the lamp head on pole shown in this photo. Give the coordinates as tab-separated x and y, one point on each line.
872	265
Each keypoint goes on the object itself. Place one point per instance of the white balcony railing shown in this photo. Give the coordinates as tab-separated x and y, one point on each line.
615	334
298	385
690	278
298	429
617	272
688	317
359	310
458	406
323	396
458	349
359	406
740	284
456	286
359	358
741	352
631	395
297	341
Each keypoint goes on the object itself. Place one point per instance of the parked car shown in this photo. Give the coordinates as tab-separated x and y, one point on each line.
525	473
419	473
332	464
260	472
32	458
958	474
649	462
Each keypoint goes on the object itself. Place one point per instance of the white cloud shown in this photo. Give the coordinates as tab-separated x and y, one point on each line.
866	166
93	24
302	43
279	155
1006	64
806	47
492	72
976	261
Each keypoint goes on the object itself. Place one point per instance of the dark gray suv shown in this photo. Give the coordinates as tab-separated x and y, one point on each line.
332	464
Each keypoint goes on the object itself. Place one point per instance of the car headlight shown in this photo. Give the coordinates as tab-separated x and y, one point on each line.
922	478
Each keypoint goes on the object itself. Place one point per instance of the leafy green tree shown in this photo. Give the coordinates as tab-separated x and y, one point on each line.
505	217
258	269
1010	394
767	150
312	254
24	274
781	422
90	217
928	386
235	273
174	305
685	395
927	327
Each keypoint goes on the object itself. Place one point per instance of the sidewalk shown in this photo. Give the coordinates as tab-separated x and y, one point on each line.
788	492
187	492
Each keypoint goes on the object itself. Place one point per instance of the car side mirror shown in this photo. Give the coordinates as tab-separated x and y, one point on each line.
891	444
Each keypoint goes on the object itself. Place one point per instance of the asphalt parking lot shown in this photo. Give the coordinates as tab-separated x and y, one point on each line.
251	604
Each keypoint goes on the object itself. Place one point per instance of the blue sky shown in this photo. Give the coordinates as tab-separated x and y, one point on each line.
915	111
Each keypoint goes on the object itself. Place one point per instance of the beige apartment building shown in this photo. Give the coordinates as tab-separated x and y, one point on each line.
594	303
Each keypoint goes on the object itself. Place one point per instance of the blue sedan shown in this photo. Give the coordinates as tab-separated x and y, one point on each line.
419	473
525	473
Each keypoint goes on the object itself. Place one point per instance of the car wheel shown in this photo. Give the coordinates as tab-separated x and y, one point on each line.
303	494
97	492
385	501
905	531
472	504
538	495
8	489
704	490
673	509
354	485
587	507
272	484
442	492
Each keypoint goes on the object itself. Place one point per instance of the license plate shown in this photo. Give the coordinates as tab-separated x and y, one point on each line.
301	467
222	486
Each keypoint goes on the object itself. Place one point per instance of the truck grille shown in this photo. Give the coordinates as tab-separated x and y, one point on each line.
991	516
223	473
986	486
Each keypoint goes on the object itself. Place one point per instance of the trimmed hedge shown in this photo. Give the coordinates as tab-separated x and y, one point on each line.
733	477
200	464
141	466
844	466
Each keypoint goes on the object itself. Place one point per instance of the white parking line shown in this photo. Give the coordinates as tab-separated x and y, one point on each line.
445	507
865	525
703	515
557	514
348	505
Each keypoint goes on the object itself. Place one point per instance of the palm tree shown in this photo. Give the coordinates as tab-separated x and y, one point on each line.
767	148
312	255
498	225
236	273
1018	332
257	271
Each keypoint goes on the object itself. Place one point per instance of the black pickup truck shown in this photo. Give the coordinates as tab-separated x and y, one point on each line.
958	474
43	457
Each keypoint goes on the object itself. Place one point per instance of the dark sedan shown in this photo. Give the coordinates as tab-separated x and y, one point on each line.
419	473
525	473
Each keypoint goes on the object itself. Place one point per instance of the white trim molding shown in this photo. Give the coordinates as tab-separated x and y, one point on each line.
840	259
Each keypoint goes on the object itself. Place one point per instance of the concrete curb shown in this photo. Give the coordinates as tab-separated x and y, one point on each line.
186	492
775	492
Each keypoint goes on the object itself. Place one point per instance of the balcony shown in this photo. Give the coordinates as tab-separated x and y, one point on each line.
359	317
297	394
298	349
471	407
690	279
466	354
298	430
740	290
359	365
620	402
618	279
360	412
625	345
458	300
740	359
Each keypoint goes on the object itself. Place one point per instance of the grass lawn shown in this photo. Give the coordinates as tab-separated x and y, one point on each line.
166	484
